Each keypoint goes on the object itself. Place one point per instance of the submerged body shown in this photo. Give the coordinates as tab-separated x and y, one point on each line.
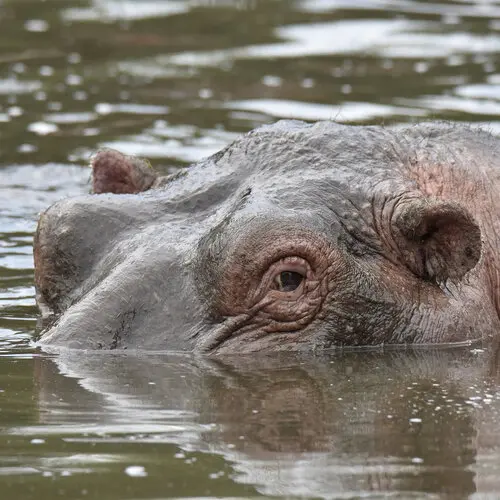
294	237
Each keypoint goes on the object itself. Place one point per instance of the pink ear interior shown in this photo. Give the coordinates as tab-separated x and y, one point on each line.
114	172
439	240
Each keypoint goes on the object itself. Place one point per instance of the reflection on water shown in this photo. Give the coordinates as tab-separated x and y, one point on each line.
176	80
334	426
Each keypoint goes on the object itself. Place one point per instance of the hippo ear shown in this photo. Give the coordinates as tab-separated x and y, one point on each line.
438	240
114	172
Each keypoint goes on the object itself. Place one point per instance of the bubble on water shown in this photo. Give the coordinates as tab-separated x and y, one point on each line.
40	96
272	80
19	67
387	64
36	25
421	67
180	454
42	128
46	70
160	124
455	60
103	108
308	83
90	132
37	441
54	106
123	79
205	93
489	67
346	88
417	460
337	72
74	58
479	58
494	24
15	111
73	79
80	95
27	148
216	475
136	471
415	420
450	19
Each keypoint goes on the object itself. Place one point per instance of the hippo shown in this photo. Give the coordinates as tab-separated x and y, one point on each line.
296	236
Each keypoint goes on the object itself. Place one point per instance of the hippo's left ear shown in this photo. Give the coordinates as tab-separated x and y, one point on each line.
114	172
438	240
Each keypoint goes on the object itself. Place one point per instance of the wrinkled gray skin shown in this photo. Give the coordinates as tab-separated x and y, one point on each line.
295	237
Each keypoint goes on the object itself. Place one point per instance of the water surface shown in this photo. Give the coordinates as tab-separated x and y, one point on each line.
175	81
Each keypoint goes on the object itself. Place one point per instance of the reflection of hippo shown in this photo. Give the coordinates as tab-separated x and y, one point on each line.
296	236
410	424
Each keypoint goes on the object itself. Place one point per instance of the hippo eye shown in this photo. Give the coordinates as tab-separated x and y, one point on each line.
288	281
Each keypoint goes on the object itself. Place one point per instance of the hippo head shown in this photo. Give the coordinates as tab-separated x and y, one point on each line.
294	237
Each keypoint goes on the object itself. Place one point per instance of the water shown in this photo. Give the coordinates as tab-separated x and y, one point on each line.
175	81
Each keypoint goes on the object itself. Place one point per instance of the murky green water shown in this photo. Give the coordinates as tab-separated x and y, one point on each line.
175	81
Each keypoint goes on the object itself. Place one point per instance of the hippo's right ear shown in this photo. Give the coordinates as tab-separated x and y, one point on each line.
438	240
114	172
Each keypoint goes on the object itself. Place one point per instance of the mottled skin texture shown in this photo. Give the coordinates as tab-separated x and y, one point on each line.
295	237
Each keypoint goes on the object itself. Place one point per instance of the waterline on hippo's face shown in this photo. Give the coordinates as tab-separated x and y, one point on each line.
295	237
